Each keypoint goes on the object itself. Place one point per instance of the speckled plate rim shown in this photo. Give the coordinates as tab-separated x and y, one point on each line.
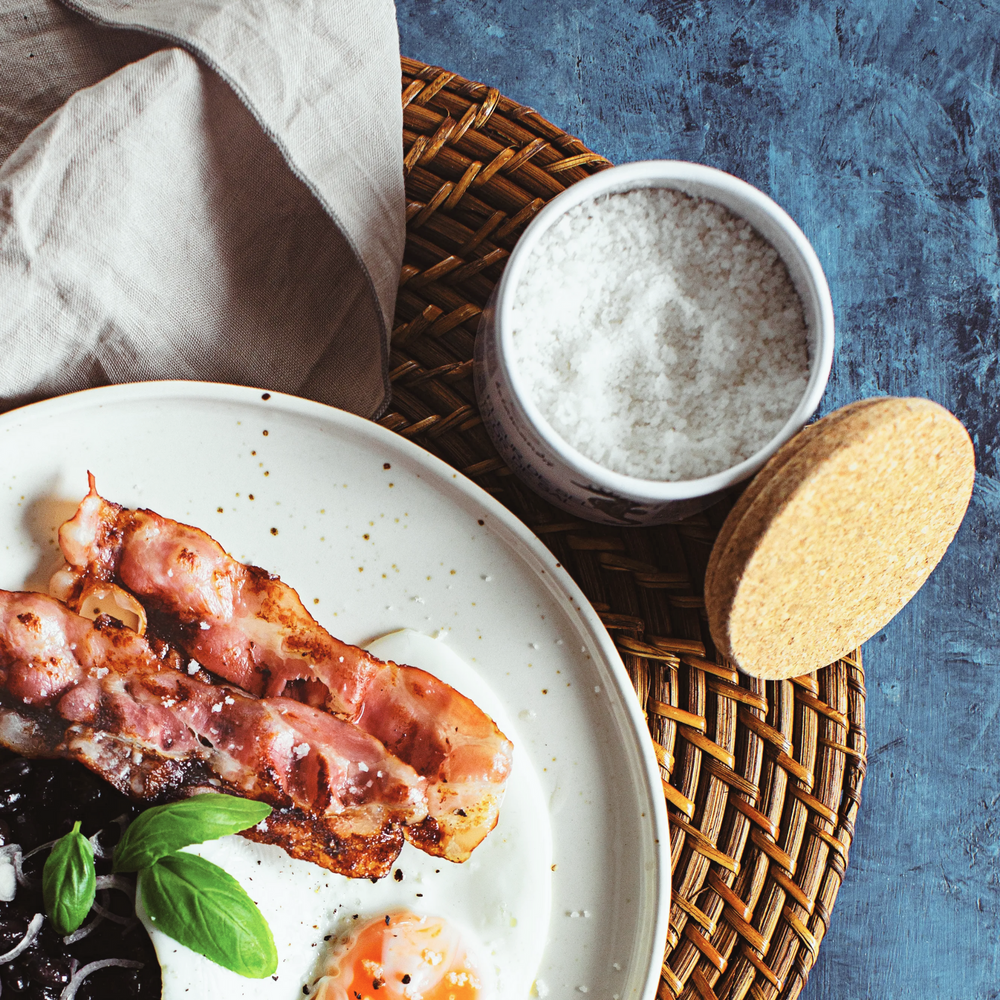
66	406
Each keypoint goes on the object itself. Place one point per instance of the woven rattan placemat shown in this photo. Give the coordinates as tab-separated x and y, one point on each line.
762	780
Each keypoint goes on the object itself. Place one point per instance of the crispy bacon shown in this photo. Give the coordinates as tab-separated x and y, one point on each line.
446	737
96	691
251	629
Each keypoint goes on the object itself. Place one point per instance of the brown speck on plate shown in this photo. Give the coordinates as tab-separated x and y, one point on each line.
274	531
386	465
266	395
265	433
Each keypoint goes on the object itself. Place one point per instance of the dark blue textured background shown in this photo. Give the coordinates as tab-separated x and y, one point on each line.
876	125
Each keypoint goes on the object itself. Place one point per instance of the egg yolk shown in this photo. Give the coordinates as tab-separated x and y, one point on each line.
401	957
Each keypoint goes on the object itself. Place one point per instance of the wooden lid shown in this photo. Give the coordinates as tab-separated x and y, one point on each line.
838	531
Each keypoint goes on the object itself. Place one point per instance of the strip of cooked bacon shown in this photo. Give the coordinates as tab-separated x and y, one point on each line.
95	691
251	629
449	739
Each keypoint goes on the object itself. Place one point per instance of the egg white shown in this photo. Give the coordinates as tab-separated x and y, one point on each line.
500	898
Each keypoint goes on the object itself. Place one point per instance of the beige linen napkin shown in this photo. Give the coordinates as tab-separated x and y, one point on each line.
205	189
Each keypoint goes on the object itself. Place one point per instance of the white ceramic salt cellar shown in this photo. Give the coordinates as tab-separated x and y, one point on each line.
540	456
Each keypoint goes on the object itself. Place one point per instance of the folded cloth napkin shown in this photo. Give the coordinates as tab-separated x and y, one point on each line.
203	189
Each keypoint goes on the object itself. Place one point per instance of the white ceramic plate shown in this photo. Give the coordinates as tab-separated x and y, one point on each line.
376	534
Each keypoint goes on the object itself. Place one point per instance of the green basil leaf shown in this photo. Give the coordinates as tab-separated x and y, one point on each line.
69	881
205	908
163	830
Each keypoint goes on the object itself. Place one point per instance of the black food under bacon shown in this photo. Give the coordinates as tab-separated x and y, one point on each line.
39	801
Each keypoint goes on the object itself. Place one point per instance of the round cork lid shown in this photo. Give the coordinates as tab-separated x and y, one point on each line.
837	532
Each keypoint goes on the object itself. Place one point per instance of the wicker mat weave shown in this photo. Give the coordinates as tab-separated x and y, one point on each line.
762	781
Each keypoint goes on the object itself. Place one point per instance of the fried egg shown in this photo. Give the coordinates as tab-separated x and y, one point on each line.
474	931
402	957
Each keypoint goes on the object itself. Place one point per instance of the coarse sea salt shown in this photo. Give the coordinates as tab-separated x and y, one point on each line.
659	334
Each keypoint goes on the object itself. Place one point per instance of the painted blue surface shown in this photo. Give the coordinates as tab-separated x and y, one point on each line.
877	126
